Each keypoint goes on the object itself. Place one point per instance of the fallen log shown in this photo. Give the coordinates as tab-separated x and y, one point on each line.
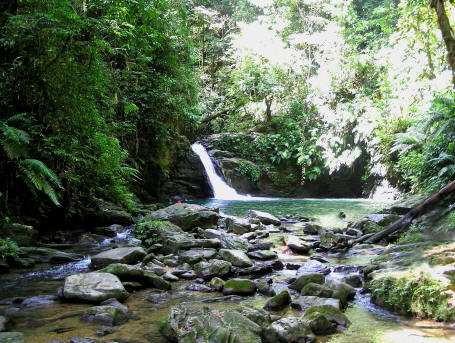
404	222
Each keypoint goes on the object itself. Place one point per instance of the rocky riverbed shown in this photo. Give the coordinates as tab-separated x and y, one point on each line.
187	273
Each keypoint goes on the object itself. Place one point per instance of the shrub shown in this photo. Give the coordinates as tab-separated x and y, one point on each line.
8	248
249	170
414	295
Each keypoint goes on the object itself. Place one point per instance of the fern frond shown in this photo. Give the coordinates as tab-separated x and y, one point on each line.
40	177
13	141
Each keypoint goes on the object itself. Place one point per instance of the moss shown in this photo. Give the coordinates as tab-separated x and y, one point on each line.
413	295
239	286
249	170
145	229
318	290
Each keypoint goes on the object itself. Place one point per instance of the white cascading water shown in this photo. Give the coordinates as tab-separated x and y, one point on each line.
221	190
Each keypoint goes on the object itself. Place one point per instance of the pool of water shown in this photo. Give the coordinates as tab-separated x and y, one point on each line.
324	211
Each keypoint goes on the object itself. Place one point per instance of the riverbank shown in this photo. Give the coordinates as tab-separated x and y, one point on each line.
270	255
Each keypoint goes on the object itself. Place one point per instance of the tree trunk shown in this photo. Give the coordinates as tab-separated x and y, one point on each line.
268	109
447	33
403	223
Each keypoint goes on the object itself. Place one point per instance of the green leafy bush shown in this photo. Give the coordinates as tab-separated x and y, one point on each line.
145	229
249	170
414	295
8	248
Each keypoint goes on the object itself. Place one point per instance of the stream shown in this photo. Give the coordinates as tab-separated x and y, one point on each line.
45	319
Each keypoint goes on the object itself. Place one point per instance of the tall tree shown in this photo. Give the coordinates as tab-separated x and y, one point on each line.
447	33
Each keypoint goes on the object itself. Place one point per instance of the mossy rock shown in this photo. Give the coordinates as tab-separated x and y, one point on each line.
317	290
278	302
325	319
305	279
239	287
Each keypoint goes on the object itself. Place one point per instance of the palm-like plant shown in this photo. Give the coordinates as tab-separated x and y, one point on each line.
35	174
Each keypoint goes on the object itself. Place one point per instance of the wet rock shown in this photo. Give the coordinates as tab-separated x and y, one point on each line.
152	280
313	266
217	284
305	279
109	313
325	319
264	217
110	231
354	232
237	225
127	255
296	244
196	255
39	301
93	287
239	287
209	269
333	241
317	290
289	329
292	266
132	286
124	272
260	246
105	213
342	291
249	235
193	322
82	340
3	322
168	276
303	302
265	287
263	255
367	226
49	255
155	268
236	257
12	337
199	287
354	280
259	316
187	216
228	240
278	302
188	275
159	298
24	235
311	228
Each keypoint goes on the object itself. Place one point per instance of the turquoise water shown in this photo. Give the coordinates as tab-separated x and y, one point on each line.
324	211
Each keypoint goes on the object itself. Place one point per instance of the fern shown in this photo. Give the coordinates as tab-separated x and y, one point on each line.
38	176
13	141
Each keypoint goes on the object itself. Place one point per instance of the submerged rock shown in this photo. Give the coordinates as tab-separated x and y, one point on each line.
325	319
236	257
278	302
93	287
289	329
194	322
187	216
109	313
239	287
127	255
12	337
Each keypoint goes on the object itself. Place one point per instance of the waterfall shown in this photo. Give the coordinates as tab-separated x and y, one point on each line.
221	190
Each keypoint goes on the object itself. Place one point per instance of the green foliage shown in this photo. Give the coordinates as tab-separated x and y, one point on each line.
414	295
8	248
106	92
249	170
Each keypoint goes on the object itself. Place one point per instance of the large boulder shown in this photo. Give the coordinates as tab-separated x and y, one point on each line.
127	255
227	240
24	235
325	319
124	272
209	269
237	225
236	257
317	290
196	323
93	287
49	255
296	244
288	330
239	287
187	216
170	237
264	217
